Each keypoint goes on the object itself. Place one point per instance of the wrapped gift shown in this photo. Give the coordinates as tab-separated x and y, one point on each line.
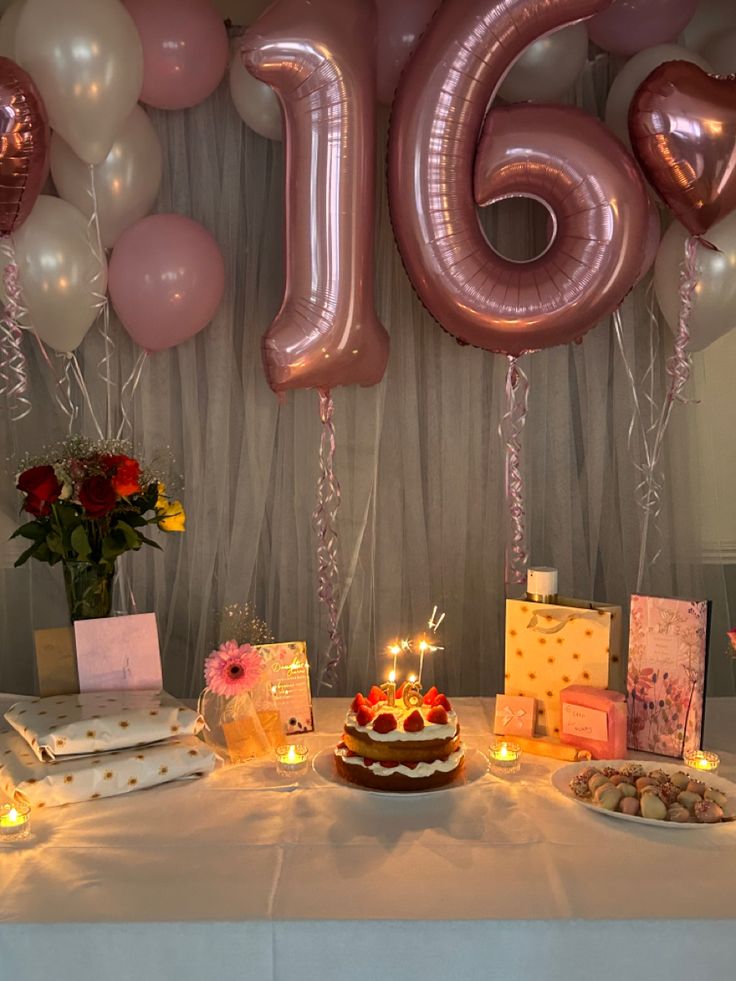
666	677
515	715
594	719
93	722
80	778
552	645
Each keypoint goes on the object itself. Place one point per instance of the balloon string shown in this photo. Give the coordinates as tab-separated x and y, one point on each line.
128	391
324	517
13	361
510	430
104	366
76	370
678	370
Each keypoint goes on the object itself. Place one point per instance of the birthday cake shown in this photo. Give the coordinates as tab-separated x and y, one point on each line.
413	744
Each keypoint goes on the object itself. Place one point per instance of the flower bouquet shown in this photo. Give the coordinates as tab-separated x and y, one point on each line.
241	717
90	502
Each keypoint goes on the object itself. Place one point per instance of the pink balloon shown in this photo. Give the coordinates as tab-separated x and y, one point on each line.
185	50
558	155
166	279
400	25
629	26
318	56
652	240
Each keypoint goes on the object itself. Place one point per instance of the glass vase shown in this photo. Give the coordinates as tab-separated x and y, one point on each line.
241	727
88	590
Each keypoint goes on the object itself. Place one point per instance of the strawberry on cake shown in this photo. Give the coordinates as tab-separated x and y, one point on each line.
402	747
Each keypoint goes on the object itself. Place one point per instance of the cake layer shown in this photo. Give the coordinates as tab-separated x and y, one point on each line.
427	749
399	734
424	776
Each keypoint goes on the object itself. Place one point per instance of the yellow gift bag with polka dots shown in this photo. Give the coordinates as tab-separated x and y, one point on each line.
552	645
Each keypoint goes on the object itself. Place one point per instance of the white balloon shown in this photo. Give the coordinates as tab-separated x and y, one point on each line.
59	273
714	304
256	103
8	27
85	56
721	53
711	19
630	78
547	68
126	182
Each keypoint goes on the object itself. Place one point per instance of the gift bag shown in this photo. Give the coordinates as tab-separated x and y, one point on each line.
550	646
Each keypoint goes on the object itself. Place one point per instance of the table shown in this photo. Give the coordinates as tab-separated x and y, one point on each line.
500	879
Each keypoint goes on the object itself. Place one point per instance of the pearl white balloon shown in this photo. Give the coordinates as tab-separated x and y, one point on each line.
85	56
721	53
711	19
8	27
630	78
126	182
59	272
547	68
256	103
714	305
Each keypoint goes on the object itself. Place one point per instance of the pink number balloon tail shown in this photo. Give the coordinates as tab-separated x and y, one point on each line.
510	430
325	523
13	361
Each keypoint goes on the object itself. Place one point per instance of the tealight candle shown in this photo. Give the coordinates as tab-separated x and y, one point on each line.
291	761
702	760
15	822
505	757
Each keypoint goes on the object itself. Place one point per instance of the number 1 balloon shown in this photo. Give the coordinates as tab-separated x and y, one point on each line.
319	57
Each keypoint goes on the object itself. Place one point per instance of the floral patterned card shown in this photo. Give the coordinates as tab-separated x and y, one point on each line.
666	680
289	670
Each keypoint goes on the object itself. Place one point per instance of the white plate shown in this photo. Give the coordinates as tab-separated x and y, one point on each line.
561	780
476	767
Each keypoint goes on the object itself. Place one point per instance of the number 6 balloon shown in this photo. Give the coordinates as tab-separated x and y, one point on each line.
319	57
558	155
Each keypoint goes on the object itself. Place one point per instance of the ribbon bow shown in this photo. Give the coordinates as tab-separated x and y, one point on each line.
511	715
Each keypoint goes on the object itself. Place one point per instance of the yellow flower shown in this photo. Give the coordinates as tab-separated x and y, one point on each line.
171	517
162	500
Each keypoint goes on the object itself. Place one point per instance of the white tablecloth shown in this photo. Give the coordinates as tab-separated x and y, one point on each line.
500	879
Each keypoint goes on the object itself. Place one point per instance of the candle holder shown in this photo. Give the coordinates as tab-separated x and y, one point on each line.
291	761
15	822
504	758
702	760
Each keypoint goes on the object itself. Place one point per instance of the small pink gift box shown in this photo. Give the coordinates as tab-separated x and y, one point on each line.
515	715
594	719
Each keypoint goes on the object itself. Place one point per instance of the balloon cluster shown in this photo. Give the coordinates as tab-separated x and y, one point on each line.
69	93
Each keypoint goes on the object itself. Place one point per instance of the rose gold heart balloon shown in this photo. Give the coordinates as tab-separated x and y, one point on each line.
682	123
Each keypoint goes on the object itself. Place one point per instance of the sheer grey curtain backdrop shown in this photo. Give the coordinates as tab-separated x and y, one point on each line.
419	457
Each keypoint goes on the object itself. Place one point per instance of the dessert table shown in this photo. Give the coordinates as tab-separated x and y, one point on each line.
245	876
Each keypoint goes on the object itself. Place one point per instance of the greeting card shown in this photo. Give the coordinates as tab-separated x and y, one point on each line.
666	678
115	653
289	671
56	662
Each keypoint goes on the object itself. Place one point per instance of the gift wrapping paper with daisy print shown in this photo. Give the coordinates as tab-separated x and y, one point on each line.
93	722
550	646
668	642
72	779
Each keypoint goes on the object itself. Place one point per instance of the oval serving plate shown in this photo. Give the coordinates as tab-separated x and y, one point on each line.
476	767
561	781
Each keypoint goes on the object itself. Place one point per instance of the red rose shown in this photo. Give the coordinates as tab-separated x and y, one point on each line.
97	496
126	479
41	488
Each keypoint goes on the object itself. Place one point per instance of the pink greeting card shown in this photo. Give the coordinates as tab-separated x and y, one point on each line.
666	675
116	653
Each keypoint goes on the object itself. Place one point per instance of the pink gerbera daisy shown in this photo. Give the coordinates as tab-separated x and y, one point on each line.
731	634
233	669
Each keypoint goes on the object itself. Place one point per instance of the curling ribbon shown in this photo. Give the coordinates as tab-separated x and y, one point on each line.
13	361
510	430
325	514
104	366
678	370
